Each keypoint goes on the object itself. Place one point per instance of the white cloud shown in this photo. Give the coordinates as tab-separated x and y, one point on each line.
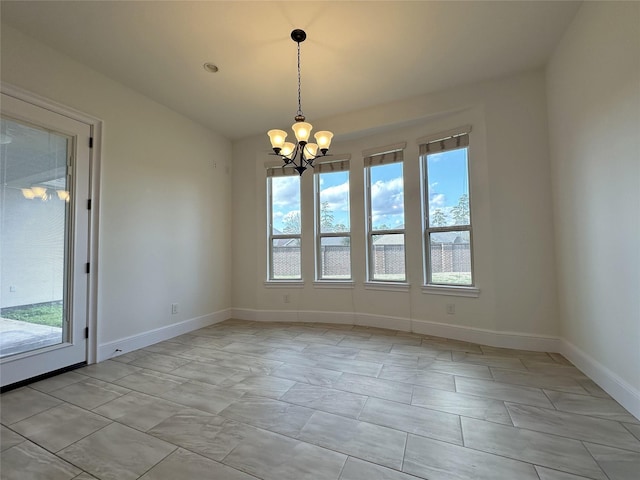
437	200
337	196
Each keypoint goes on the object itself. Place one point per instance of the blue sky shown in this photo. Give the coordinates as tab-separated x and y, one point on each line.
447	182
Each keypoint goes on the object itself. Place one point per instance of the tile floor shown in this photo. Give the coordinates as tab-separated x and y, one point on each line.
242	400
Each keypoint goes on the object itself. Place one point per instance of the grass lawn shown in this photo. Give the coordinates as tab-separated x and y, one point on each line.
452	278
41	313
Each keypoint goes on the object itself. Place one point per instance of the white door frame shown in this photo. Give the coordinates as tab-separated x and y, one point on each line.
94	194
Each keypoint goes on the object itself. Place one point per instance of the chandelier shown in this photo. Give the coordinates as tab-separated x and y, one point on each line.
301	154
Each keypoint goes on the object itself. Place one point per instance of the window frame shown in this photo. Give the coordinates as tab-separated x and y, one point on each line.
318	230
428	230
370	267
284	236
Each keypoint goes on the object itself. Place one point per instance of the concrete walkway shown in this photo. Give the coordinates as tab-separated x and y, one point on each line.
18	337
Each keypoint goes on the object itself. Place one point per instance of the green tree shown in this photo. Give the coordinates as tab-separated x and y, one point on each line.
460	212
438	218
291	222
326	218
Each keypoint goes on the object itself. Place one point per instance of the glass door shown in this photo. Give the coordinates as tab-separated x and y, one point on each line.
44	181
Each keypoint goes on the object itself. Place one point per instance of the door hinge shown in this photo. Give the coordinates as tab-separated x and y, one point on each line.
86	332
87	267
88	204
90	142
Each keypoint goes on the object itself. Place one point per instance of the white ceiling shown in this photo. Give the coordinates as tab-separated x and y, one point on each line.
357	54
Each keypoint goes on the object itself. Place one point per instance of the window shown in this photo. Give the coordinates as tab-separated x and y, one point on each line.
284	230
333	237
446	208
385	216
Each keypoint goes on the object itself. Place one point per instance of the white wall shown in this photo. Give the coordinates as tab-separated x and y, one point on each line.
593	82
511	195
165	209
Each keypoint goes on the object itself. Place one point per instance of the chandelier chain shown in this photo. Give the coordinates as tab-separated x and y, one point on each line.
299	95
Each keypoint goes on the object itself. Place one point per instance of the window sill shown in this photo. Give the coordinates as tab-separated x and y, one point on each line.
284	283
333	284
388	286
452	291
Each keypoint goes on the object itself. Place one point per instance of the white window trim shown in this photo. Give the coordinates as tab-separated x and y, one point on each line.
369	226
387	286
337	284
319	235
452	291
271	237
284	283
439	288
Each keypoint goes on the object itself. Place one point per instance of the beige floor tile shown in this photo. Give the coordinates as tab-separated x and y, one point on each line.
182	464
454	368
436	460
258	385
24	402
9	438
159	362
512	363
274	415
150	382
28	461
418	420
533	447
502	391
60	426
109	370
579	427
356	469
617	464
275	457
418	376
376	444
549	474
58	381
553	382
202	396
209	435
138	410
117	453
461	404
593	406
90	393
310	375
325	399
375	387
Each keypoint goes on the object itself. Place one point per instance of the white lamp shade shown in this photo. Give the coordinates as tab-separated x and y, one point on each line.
310	150
324	139
277	138
287	149
302	131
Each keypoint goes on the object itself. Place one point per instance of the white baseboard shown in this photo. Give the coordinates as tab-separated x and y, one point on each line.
522	341
134	342
625	394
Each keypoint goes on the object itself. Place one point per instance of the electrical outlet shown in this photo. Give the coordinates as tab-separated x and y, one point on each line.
174	308
12	288
451	309
286	298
